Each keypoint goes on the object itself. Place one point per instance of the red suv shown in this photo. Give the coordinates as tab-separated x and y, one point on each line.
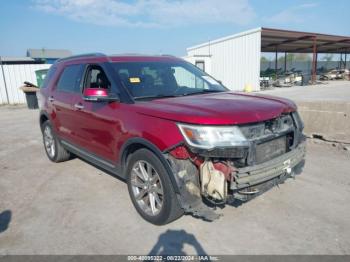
182	141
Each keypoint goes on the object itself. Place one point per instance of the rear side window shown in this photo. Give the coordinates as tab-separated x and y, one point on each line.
70	79
49	75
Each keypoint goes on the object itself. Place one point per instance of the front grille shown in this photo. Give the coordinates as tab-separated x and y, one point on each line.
271	149
267	128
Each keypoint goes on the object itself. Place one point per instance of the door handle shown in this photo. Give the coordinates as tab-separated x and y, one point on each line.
79	106
51	99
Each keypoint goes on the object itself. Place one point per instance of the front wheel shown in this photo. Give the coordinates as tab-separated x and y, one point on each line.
53	148
150	188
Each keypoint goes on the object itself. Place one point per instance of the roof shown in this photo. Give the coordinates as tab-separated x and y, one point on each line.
101	58
18	60
302	42
291	41
252	31
48	53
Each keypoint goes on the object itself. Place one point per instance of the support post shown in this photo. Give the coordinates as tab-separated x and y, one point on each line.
285	62
276	54
5	85
314	59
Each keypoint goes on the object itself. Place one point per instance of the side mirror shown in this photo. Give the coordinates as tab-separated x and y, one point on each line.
99	95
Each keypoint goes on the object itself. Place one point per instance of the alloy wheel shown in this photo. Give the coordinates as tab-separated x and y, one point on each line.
147	188
49	142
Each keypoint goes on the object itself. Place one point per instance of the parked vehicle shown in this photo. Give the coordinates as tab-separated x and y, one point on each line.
182	141
335	74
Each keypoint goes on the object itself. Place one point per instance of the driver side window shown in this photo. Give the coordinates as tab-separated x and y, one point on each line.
96	78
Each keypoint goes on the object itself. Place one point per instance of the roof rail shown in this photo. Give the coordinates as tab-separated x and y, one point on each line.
80	56
168	55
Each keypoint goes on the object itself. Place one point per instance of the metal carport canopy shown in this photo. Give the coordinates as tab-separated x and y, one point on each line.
273	40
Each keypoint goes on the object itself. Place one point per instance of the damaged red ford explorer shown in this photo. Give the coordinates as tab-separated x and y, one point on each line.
182	141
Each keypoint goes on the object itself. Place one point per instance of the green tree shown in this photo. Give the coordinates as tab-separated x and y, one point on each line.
327	57
302	57
263	59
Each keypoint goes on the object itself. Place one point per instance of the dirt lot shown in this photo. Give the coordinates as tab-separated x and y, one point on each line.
74	208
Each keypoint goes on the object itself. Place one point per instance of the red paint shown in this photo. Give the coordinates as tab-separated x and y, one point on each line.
102	128
217	109
180	152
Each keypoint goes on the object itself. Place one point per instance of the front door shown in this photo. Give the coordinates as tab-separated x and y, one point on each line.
96	128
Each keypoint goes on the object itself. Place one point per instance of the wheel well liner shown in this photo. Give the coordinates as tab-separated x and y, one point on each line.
43	118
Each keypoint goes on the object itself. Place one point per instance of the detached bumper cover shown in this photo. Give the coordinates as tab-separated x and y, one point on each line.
253	175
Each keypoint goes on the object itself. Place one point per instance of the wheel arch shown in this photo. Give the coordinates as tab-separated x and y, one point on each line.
43	117
134	144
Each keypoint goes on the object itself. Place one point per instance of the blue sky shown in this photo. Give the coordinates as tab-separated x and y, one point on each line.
154	26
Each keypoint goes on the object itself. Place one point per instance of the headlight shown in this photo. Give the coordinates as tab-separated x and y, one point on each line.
208	137
298	120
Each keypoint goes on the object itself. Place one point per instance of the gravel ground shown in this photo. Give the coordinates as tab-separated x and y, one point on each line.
332	91
74	208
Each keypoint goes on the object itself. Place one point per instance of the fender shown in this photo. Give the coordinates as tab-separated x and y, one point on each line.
44	113
137	141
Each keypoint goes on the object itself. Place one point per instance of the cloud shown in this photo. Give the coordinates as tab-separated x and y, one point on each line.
291	15
150	13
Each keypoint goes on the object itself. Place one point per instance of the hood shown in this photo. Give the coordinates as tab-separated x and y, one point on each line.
225	108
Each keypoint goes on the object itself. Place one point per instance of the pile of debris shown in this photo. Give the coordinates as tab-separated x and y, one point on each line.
270	78
336	74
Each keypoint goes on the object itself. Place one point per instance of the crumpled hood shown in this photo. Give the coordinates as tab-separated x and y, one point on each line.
225	108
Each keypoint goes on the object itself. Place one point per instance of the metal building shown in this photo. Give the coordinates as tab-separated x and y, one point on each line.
235	60
13	72
49	56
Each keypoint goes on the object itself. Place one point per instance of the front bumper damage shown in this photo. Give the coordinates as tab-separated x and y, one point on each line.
244	184
213	178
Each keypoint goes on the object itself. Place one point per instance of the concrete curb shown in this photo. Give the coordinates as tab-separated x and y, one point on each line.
329	120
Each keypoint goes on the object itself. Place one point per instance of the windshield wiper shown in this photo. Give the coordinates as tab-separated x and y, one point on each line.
154	97
203	92
178	95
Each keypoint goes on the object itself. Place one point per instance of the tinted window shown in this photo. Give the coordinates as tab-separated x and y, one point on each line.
157	79
49	75
70	79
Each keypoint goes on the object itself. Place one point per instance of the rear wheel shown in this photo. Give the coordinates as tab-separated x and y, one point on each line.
150	188
53	148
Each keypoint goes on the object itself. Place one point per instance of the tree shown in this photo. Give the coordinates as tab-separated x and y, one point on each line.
263	59
327	57
302	57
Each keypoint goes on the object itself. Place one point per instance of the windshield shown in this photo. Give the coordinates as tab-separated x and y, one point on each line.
163	79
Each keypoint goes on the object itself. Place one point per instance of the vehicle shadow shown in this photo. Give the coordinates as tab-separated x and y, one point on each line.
172	243
5	218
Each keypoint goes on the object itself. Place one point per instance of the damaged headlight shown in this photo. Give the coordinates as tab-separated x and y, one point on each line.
209	137
298	120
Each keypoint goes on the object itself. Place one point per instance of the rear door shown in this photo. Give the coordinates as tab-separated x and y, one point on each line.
62	100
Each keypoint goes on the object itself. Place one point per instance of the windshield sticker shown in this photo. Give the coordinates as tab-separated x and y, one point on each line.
135	80
210	80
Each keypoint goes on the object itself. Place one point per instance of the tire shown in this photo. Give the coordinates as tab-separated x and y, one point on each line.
169	210
59	154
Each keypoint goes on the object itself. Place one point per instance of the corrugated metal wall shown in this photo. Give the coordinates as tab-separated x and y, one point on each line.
12	77
235	60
